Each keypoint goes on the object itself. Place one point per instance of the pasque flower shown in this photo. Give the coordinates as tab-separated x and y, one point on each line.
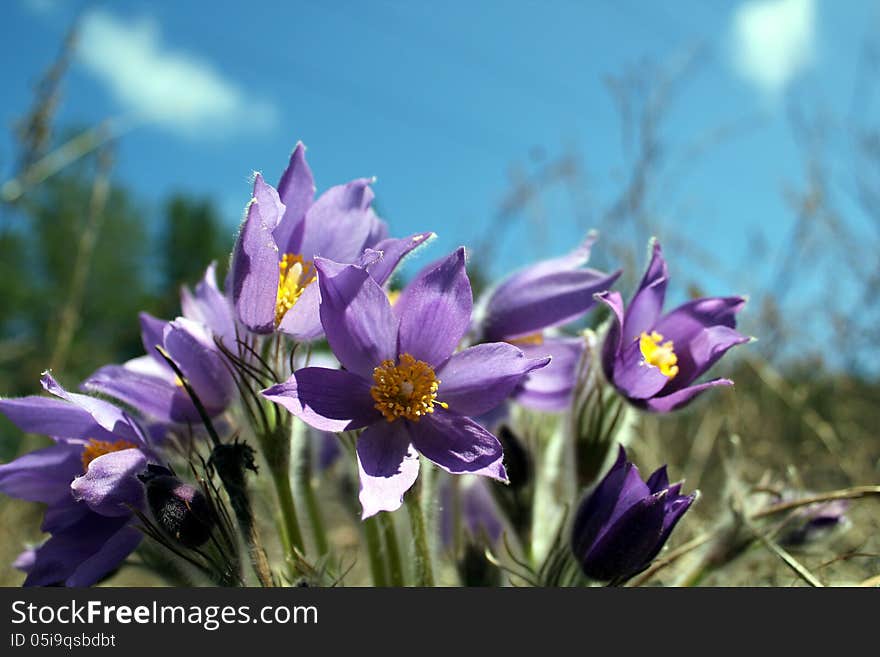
622	525
547	294
273	263
402	382
87	479
653	359
149	384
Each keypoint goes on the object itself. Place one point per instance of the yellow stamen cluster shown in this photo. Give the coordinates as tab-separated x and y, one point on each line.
407	389
294	276
658	353
95	448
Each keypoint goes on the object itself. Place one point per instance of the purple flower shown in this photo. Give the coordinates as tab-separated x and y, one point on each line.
401	381
547	294
273	264
653	359
621	526
150	385
87	479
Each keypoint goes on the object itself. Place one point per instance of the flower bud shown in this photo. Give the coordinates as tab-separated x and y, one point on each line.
622	525
179	508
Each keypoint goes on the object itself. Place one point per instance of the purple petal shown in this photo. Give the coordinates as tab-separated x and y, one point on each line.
195	353
458	445
634	377
435	310
303	321
658	481
328	400
646	304
254	271
105	414
545	294
356	316
630	543
271	207
297	190
152	330
698	356
58	559
43	475
339	223
388	466
210	307
552	300
684	323
594	512
111	554
550	388
393	251
110	485
679	398
613	343
478	379
155	397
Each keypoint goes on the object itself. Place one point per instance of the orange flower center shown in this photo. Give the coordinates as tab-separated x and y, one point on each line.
407	389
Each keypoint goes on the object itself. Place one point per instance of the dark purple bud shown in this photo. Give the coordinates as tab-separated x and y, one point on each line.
814	522
178	508
624	522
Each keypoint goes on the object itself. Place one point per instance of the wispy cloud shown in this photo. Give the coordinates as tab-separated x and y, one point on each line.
773	41
170	88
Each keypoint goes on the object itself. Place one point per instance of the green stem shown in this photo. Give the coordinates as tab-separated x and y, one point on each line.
374	551
303	477
291	534
422	562
389	533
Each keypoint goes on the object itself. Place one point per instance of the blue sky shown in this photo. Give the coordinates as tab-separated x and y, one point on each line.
442	102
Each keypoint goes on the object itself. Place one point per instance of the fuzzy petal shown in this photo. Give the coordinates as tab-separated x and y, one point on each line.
647	303
356	316
110	485
297	190
58	559
195	353
478	379
155	397
458	445
254	271
388	466
338	225
43	475
550	388
210	306
105	414
303	321
328	400
393	251
435	310
682	397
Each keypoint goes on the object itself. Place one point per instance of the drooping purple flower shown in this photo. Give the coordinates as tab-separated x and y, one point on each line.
811	522
273	265
150	385
653	359
622	525
87	479
402	382
547	294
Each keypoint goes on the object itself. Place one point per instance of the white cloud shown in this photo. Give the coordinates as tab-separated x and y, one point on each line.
171	88
773	41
